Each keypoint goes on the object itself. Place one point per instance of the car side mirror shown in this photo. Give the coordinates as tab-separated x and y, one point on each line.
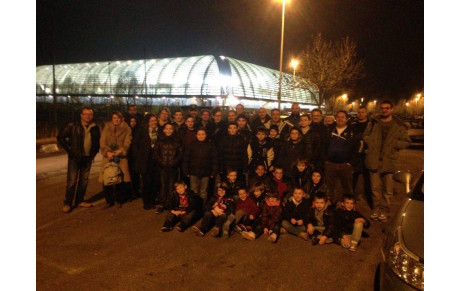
405	178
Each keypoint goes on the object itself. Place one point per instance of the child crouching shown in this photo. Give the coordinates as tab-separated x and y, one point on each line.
349	223
295	213
321	220
186	208
271	216
216	211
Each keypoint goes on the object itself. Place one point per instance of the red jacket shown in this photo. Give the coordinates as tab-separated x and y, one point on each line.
271	214
248	206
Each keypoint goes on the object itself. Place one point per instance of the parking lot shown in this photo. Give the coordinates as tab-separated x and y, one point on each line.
124	249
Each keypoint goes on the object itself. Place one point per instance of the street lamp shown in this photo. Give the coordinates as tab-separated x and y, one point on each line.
294	64
375	104
281	54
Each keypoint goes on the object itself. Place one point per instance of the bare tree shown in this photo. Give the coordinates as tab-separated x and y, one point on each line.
328	69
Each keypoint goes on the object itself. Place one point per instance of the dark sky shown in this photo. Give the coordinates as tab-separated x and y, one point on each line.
389	34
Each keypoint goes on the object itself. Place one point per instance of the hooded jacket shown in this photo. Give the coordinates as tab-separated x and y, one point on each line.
383	156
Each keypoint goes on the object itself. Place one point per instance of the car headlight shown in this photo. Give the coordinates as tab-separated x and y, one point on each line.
404	263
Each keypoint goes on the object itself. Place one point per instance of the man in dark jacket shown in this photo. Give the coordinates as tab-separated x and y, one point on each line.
341	153
294	118
384	136
81	141
261	118
233	152
318	126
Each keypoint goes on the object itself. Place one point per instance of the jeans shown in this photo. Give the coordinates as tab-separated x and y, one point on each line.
382	191
168	176
209	220
338	173
77	180
356	235
367	182
293	229
185	220
199	186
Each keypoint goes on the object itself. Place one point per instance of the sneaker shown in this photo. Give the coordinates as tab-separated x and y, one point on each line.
304	235
66	209
214	231
248	235
283	230
165	229
243	228
225	234
353	246
160	210
374	216
197	231
383	217
179	229
329	240
85	205
272	238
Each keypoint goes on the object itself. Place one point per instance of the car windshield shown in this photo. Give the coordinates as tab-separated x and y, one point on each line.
417	192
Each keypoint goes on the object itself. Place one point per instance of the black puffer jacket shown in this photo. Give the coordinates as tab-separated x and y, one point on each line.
300	211
233	153
200	159
71	139
168	152
312	145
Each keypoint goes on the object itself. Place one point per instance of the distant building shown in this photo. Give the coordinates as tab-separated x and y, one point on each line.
203	80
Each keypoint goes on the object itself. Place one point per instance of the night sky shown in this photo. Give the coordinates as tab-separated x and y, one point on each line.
389	34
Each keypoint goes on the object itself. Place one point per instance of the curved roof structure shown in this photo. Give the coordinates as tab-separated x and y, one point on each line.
200	76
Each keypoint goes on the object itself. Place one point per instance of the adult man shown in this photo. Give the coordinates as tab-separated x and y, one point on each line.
193	111
318	126
359	168
80	139
341	152
239	109
132	112
294	118
385	136
283	127
261	118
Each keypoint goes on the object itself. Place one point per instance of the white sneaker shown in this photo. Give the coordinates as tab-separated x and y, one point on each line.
383	217
374	215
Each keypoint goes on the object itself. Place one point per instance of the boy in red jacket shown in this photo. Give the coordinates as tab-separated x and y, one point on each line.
271	216
246	211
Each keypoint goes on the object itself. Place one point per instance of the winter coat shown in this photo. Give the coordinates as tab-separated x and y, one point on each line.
142	150
281	187
71	138
121	136
288	155
300	211
168	152
260	153
194	202
246	134
271	214
300	179
324	135
248	206
200	159
328	219
256	123
293	120
233	153
397	139
218	130
186	136
312	145
260	202
345	219
233	187
264	179
277	144
312	189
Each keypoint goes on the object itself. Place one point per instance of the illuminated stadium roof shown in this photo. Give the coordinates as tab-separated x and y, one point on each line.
200	76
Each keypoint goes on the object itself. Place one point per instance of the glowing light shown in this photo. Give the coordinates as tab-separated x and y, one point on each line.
344	96
47	90
232	100
89	96
294	64
137	97
111	96
223	58
407	104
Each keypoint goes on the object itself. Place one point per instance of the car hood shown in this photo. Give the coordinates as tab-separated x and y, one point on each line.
412	227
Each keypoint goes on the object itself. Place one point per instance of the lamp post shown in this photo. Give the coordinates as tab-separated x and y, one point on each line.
281	54
294	64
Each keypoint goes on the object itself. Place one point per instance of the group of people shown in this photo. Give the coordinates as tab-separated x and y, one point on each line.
250	175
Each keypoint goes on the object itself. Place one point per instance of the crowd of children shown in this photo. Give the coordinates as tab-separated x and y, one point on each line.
240	179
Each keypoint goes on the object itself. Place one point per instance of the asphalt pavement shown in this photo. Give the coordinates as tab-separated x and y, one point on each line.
124	249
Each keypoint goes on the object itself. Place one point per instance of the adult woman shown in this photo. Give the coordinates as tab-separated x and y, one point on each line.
144	143
115	141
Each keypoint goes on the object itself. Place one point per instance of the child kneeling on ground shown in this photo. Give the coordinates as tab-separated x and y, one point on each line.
218	208
186	208
271	216
295	213
349	223
321	220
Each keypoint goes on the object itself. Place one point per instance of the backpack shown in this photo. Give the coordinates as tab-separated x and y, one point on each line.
112	174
